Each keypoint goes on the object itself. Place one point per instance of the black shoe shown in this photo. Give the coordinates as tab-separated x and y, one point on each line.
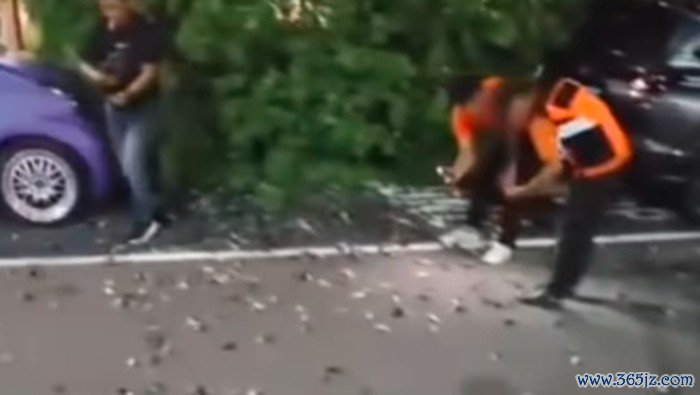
545	299
164	219
143	233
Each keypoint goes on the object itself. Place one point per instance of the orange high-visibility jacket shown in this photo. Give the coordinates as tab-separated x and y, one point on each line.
591	139
542	133
468	122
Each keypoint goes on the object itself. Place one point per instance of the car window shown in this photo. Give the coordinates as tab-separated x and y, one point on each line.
684	48
624	35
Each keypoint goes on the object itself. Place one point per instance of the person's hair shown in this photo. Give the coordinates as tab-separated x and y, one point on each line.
462	88
515	87
537	95
510	90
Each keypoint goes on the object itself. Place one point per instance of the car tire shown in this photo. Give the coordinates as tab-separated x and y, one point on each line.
41	182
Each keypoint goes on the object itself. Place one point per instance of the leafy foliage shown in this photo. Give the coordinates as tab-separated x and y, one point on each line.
284	97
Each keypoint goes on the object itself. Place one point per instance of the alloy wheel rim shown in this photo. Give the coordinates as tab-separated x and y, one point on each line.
39	186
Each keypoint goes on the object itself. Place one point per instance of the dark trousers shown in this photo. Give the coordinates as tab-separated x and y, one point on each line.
484	197
582	217
482	184
514	212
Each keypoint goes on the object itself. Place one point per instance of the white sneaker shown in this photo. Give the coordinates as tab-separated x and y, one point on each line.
498	254
464	238
141	234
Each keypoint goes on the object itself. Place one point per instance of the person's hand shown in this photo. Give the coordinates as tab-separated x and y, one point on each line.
106	81
458	192
103	80
120	99
446	174
97	77
514	193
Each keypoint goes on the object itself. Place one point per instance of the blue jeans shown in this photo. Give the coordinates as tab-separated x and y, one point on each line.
131	132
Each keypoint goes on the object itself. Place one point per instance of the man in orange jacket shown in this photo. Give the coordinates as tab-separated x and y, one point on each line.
485	156
595	150
477	116
534	158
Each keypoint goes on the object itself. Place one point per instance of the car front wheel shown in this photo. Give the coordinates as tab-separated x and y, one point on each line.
41	182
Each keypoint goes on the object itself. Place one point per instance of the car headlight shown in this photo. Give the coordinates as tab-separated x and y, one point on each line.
58	92
62	94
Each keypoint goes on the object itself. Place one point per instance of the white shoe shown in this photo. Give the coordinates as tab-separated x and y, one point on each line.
498	254
464	238
141	235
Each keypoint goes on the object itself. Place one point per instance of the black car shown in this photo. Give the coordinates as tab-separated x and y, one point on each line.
644	60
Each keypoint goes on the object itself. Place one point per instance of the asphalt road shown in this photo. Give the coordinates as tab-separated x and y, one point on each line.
206	226
435	324
398	216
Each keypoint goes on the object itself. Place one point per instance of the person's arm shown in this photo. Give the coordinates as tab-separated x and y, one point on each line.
96	76
544	183
91	54
619	143
463	129
90	72
146	80
464	161
543	135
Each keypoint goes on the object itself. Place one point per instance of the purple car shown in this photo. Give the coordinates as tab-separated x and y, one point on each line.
54	157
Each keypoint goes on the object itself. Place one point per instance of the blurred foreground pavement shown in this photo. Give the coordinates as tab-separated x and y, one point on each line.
434	324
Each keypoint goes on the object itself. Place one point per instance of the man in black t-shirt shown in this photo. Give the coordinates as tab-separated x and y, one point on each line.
123	59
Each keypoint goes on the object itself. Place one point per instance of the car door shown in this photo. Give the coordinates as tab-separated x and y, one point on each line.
672	103
619	43
659	104
616	38
663	102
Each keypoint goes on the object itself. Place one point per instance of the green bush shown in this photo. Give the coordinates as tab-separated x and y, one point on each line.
283	98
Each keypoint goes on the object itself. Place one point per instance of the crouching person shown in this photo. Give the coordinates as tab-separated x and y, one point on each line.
496	128
533	179
477	115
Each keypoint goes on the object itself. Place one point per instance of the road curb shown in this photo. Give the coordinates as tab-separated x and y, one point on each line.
318	252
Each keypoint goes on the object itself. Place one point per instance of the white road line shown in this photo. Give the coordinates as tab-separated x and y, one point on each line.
218	256
319	252
635	238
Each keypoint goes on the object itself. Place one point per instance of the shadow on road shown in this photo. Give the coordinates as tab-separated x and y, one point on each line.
623	306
